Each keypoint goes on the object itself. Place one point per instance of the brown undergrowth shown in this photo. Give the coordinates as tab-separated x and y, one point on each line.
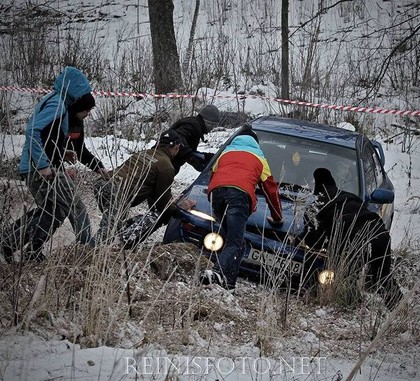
151	296
86	295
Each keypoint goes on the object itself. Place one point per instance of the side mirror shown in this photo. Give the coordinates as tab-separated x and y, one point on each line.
382	196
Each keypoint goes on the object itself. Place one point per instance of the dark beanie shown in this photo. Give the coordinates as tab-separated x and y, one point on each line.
210	113
247	130
323	178
84	103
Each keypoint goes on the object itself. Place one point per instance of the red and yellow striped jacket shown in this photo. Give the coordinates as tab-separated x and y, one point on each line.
242	165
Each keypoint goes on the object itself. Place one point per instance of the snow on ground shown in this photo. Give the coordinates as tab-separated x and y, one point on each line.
33	359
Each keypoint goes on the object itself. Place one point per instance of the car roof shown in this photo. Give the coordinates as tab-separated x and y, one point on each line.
306	129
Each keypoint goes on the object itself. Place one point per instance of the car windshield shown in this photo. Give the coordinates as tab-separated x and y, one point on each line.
293	160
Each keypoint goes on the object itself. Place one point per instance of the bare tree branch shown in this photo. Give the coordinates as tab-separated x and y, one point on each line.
320	12
188	53
387	62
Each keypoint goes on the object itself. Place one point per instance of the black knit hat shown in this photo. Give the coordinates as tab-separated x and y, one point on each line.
84	103
210	114
247	130
170	138
323	178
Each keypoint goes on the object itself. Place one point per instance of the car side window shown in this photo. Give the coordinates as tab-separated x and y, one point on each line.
372	168
379	172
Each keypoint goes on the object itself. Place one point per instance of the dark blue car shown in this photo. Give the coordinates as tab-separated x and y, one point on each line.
294	149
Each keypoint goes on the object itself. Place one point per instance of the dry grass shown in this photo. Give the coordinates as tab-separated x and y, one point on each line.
150	295
82	296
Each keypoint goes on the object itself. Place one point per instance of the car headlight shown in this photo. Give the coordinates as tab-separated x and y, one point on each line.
202	215
326	277
213	242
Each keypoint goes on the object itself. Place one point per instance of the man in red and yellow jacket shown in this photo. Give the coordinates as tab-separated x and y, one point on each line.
236	174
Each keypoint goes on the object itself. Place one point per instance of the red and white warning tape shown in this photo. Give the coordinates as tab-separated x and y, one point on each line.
372	110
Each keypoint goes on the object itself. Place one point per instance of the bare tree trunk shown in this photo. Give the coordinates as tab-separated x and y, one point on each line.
166	67
285	49
188	54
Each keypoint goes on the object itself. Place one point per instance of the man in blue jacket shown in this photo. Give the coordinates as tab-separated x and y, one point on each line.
44	153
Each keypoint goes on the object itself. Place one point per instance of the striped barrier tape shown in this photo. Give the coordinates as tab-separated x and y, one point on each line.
372	110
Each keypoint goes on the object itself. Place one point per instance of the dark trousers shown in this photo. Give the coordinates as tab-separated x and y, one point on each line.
231	207
56	200
374	242
379	262
380	254
115	198
114	201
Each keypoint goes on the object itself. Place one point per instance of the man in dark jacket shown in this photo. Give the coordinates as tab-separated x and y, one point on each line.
232	194
191	130
146	176
344	221
47	147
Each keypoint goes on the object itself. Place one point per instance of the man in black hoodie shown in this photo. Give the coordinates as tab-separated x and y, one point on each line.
191	130
345	218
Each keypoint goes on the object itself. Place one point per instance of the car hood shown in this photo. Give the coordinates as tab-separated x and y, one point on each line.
294	203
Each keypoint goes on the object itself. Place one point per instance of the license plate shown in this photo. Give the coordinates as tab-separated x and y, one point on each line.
270	260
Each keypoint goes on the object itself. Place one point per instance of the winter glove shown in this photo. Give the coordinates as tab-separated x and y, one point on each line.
197	160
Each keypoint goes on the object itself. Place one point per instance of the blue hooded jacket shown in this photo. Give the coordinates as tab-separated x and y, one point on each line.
47	129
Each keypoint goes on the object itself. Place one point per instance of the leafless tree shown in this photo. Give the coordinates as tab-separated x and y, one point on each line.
166	66
188	54
285	49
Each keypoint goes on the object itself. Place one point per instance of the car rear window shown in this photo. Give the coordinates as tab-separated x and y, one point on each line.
293	160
